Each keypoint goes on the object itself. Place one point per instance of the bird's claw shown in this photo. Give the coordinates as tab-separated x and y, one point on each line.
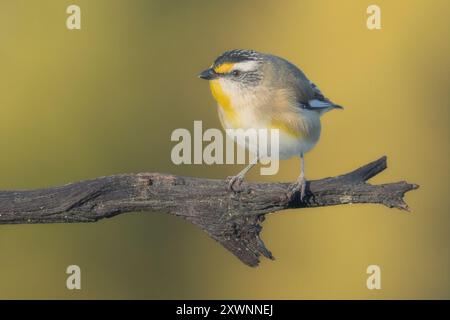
298	186
235	181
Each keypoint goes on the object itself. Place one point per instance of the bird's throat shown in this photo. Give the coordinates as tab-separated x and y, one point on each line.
223	100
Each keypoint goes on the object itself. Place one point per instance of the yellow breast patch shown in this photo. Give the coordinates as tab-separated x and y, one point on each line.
224	101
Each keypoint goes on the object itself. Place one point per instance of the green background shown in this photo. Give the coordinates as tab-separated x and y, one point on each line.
105	99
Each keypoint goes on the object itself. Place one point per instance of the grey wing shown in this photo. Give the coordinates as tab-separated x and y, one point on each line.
307	93
319	101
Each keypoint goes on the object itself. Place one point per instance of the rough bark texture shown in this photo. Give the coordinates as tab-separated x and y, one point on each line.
233	219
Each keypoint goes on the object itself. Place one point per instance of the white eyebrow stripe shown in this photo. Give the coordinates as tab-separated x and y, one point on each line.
245	66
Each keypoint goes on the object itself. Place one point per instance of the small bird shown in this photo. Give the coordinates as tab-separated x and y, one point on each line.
258	90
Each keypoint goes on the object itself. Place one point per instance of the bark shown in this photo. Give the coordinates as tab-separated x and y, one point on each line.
233	219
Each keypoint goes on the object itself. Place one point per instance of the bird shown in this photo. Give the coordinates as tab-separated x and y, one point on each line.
261	90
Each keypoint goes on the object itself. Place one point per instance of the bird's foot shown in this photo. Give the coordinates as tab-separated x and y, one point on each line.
298	186
235	182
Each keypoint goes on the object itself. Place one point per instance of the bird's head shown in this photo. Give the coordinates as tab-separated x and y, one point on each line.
235	71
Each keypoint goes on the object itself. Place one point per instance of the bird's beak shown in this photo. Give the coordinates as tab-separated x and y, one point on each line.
208	74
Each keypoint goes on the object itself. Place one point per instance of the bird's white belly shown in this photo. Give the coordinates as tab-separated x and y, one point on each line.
288	145
291	146
246	133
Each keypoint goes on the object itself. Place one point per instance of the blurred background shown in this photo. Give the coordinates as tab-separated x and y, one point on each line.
104	99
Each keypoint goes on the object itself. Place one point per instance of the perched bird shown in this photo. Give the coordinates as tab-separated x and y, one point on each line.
258	90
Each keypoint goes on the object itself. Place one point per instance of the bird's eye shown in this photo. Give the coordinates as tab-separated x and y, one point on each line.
236	73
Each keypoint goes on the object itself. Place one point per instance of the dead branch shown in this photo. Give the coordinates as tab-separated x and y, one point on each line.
233	219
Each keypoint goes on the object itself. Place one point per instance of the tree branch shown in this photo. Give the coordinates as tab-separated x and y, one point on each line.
233	219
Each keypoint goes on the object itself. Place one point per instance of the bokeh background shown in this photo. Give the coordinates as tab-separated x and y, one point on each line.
105	99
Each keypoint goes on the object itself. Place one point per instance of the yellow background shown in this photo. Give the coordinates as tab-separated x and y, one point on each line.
104	100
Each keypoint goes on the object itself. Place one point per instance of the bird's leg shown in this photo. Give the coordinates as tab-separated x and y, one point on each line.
300	184
237	179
